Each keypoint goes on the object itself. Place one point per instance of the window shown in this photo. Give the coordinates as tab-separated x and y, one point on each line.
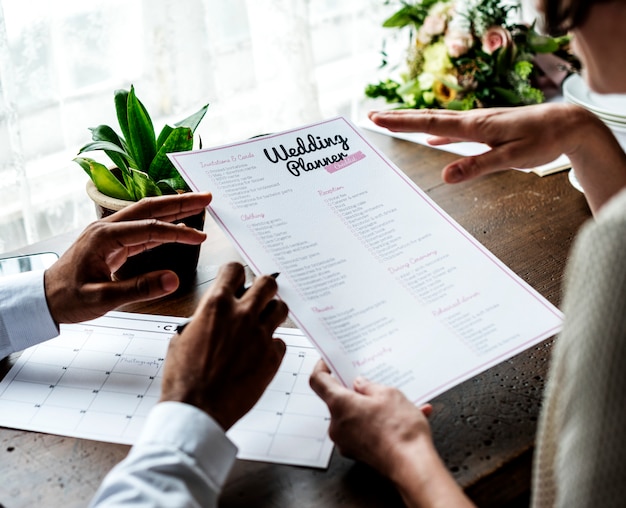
263	65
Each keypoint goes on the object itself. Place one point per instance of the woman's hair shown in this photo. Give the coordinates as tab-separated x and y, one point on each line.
560	16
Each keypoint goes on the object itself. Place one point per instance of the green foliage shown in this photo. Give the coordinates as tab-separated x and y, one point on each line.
487	13
140	155
409	14
524	69
387	89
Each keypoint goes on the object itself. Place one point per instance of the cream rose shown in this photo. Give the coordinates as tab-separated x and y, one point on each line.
457	42
434	24
423	38
496	37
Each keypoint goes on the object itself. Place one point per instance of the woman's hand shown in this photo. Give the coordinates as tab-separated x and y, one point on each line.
372	423
378	425
522	137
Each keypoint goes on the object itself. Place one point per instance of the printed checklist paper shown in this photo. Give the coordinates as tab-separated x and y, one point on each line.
98	380
382	281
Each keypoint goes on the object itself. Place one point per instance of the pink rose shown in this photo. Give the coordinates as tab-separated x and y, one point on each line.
457	42
496	37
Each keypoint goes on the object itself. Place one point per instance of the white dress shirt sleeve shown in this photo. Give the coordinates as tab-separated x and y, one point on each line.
24	316
182	458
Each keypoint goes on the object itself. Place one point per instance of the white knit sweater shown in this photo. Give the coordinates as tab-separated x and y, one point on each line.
580	457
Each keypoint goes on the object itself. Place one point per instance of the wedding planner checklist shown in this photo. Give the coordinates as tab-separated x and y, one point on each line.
383	282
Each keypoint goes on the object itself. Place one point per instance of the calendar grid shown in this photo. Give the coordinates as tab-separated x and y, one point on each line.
99	379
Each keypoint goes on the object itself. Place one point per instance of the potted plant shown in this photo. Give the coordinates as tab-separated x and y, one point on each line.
141	168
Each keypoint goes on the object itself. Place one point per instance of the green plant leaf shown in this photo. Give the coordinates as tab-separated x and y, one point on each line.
194	120
163	135
408	88
121	109
503	57
102	145
410	13
144	186
103	179
509	96
190	122
542	43
141	139
106	133
455	105
179	140
399	19
169	186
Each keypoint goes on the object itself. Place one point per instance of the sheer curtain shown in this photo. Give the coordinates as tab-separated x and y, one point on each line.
263	65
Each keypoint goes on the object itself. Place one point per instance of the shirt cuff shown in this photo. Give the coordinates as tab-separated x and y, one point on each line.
195	433
25	312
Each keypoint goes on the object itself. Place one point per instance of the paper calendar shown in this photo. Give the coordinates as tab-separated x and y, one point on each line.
99	379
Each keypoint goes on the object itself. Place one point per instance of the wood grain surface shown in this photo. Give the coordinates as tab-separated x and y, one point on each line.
483	428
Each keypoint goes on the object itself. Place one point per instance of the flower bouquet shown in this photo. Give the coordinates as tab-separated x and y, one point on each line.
466	54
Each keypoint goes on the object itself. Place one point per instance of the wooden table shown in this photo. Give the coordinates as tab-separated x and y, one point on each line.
483	428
